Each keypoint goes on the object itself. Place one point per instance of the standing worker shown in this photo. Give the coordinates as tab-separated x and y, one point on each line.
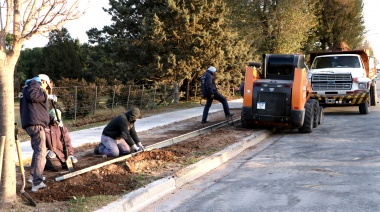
55	158
210	92
34	110
119	136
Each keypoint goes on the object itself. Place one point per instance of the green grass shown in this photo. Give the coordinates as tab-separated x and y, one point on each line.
83	204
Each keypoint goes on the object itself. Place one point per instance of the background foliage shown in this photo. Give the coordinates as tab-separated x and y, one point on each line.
166	41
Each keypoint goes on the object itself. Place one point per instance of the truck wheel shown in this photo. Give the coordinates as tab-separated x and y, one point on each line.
373	94
364	108
307	126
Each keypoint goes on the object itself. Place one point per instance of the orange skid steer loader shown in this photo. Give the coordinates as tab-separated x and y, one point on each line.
277	94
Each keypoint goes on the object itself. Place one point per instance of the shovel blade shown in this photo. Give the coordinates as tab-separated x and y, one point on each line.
70	165
29	198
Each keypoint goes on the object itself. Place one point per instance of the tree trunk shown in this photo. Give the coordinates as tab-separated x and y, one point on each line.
8	182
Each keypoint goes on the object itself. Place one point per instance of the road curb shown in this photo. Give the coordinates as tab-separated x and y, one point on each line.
140	198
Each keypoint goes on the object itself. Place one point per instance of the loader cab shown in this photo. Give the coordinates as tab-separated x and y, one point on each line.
281	66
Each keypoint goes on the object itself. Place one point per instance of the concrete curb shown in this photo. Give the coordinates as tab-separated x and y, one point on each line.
140	198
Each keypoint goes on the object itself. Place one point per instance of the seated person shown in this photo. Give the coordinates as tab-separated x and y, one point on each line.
55	158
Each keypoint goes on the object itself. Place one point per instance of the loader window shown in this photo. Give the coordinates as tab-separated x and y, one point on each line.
280	65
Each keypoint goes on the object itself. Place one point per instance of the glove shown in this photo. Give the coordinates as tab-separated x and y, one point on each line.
140	149
53	97
212	96
73	159
140	146
50	154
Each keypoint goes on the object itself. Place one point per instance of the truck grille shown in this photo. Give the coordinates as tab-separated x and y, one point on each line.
274	104
323	82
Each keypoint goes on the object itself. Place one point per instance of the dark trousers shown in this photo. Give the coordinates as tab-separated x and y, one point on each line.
221	99
38	141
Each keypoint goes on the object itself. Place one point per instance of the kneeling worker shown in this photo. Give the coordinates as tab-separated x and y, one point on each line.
119	136
55	158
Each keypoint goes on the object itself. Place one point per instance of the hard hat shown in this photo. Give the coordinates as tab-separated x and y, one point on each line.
212	69
45	78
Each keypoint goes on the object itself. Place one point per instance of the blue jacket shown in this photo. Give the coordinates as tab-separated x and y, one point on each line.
34	107
208	84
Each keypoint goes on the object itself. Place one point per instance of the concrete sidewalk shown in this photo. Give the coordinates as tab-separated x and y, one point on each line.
92	135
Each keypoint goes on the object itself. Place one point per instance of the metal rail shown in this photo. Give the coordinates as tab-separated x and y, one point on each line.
158	145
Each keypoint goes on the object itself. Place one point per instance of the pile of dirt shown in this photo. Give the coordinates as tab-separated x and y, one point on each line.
141	169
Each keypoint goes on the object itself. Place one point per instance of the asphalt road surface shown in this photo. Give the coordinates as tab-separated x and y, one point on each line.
335	168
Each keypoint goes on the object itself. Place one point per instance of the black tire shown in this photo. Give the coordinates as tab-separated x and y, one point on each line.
364	108
316	112
307	126
373	94
321	115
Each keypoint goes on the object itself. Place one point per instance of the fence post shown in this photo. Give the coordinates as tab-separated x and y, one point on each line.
175	96
129	93
76	103
165	94
142	96
187	91
154	94
96	97
195	94
113	97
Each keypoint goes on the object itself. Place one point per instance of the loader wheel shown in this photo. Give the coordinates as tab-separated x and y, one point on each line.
373	94
321	115
307	126
316	112
364	108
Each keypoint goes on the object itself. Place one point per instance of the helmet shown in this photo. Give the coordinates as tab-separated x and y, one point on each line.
45	78
212	69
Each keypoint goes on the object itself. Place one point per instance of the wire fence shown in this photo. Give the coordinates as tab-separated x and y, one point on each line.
80	101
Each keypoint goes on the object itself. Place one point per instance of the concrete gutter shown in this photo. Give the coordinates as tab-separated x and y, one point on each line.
140	198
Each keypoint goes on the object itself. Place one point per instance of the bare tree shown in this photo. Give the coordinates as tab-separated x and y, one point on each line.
23	19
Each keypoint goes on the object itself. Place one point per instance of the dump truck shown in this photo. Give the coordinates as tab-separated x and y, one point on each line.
344	78
276	93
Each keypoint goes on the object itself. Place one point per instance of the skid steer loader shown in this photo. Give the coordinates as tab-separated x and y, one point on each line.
277	94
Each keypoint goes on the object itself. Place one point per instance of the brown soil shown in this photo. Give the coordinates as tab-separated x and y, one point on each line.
120	178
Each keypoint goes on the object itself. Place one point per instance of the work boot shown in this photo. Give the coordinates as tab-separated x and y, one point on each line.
96	150
229	115
204	122
37	187
30	180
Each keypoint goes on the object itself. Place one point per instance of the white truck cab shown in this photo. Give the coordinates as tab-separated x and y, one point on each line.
341	79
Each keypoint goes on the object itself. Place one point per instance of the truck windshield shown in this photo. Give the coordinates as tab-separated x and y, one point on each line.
336	62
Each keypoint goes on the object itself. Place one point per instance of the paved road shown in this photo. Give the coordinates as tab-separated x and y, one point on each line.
335	168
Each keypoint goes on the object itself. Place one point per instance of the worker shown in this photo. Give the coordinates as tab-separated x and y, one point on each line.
55	143
210	92
35	118
119	136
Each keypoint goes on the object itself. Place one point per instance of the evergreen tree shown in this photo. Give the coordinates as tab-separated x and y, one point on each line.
340	20
29	63
170	40
61	56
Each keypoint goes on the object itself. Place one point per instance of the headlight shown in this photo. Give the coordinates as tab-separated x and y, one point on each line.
362	86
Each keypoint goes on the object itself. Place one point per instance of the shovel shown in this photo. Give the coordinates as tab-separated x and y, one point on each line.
21	164
69	163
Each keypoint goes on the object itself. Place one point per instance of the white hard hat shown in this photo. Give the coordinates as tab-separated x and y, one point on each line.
45	78
212	69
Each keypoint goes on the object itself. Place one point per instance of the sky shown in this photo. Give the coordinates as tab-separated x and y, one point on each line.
95	17
371	13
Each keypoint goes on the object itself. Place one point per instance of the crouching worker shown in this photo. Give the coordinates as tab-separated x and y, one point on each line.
119	137
55	158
